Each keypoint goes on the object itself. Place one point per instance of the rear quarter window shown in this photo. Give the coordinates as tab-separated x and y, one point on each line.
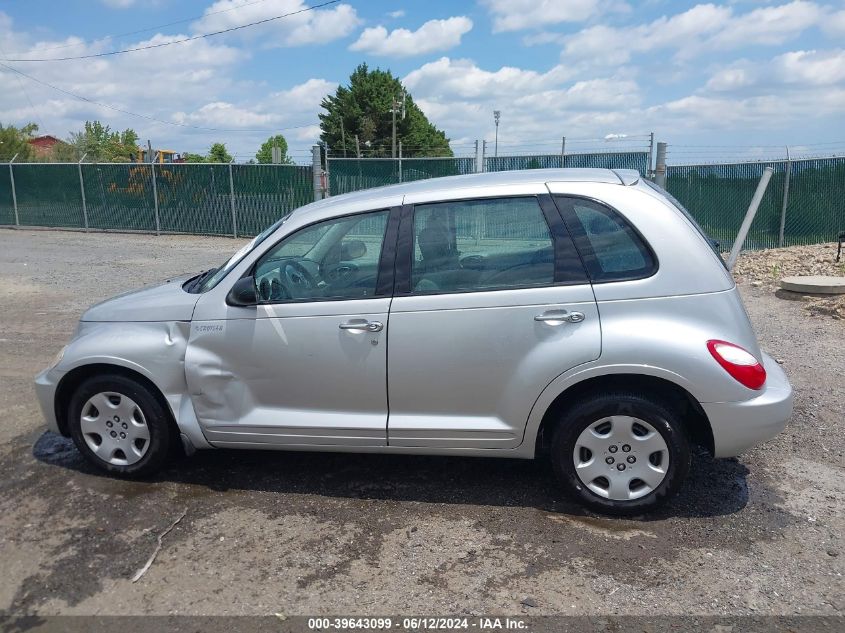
611	248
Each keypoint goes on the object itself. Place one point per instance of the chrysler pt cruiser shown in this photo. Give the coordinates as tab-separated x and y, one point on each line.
581	315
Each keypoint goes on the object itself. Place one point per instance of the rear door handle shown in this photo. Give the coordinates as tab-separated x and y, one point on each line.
556	317
362	325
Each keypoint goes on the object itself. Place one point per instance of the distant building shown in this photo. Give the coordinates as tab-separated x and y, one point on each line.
43	145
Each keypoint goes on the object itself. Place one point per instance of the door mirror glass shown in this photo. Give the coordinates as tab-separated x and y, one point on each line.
352	249
243	293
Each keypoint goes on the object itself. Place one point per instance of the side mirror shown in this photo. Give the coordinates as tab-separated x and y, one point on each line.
243	293
352	249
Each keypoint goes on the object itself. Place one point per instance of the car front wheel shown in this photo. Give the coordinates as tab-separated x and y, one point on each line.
119	426
620	453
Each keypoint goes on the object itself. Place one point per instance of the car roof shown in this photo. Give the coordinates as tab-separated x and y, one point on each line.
622	177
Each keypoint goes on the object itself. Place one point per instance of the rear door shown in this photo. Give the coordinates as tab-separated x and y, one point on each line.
491	304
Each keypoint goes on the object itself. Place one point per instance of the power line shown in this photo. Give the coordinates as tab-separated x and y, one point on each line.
144	116
182	41
146	30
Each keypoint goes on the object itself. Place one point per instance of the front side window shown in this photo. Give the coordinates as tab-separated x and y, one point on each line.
611	249
335	259
477	245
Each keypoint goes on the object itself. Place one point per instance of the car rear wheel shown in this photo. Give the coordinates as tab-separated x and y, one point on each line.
620	453
119	426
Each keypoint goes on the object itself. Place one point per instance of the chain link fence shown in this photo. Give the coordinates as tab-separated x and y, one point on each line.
206	199
354	174
804	203
600	160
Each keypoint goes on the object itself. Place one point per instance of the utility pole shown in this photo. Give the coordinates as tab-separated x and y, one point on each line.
396	104
357	147
343	137
496	115
563	151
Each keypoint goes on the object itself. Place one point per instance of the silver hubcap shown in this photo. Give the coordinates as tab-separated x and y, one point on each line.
621	457
114	427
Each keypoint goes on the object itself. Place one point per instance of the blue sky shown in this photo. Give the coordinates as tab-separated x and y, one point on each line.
703	76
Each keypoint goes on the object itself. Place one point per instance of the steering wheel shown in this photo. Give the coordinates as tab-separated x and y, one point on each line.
297	280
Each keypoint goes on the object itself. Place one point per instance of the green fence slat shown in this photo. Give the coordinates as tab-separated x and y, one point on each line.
816	209
264	193
48	195
596	160
7	211
119	196
197	198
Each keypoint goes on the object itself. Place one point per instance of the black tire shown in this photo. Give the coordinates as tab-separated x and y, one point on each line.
587	411
156	417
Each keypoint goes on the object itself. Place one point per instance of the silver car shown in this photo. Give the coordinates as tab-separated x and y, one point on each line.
578	314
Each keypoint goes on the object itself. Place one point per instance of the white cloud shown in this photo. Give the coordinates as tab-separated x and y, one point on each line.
515	15
318	26
118	4
795	69
834	24
460	96
194	83
769	25
704	27
396	14
434	35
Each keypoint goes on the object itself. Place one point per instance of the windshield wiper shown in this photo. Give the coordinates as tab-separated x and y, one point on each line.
202	277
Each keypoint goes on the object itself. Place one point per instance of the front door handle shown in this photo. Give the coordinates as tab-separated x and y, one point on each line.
362	325
556	317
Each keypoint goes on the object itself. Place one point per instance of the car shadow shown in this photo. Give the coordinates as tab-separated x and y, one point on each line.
715	487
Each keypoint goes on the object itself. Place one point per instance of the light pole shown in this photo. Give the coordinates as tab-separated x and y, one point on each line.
397	104
496	115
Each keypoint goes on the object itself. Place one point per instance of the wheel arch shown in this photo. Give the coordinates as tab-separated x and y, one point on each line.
694	418
76	376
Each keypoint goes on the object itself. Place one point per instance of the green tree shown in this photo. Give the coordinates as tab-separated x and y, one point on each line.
218	154
101	144
193	158
15	140
364	108
265	154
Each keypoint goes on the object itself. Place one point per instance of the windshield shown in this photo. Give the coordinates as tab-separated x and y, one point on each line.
211	278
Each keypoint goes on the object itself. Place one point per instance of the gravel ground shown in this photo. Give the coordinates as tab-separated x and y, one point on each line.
357	534
765	269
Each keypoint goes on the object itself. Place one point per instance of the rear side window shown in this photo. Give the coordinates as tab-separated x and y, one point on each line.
610	247
474	245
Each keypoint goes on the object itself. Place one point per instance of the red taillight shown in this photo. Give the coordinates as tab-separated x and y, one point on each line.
739	363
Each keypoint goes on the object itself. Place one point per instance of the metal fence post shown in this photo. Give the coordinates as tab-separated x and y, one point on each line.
232	200
317	172
400	161
483	156
14	193
660	166
651	156
155	198
785	199
562	151
749	217
82	191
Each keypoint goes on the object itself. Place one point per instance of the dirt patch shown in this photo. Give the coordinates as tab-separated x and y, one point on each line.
765	269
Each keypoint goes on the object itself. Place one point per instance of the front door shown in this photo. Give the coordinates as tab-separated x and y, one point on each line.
493	304
307	366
